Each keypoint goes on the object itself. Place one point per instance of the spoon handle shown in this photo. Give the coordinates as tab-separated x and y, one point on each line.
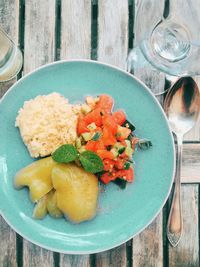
175	224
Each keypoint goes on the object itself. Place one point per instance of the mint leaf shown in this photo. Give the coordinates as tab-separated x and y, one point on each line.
91	162
65	153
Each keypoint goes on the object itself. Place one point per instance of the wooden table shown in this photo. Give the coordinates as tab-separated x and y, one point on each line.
49	30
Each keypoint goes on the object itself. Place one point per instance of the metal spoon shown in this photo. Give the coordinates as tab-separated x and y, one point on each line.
182	107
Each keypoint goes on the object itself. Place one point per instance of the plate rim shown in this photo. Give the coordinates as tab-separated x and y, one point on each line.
84	252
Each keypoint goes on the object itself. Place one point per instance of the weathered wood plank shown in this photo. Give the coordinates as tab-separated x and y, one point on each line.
8	248
148	245
191	163
39	42
74	261
112	49
76	36
113	32
187	251
186	254
147	248
9	21
39	49
75	44
34	256
112	258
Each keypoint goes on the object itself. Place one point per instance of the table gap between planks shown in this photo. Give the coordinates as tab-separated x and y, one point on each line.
103	30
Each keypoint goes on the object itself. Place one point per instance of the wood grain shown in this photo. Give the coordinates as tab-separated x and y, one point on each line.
9	21
76	36
191	163
39	39
112	258
74	261
39	49
34	256
186	254
148	245
113	32
75	44
112	49
8	248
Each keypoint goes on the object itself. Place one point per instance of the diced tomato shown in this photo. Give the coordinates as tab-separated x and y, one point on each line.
119	116
108	164
105	103
105	154
127	175
91	145
81	126
95	145
119	163
106	177
107	137
94	116
123	156
109	122
100	145
122	133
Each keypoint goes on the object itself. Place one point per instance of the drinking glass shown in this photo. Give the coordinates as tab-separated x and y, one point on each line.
10	58
169	38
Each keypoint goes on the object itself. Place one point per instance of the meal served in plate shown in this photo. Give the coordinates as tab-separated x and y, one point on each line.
82	145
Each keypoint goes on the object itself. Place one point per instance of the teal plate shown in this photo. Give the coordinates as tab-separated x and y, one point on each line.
122	213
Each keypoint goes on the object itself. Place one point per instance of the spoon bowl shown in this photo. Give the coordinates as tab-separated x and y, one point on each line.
182	107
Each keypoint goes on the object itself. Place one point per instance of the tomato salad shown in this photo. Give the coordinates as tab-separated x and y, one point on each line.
110	136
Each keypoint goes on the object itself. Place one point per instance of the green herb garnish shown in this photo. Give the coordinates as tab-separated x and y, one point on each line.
144	144
91	162
65	153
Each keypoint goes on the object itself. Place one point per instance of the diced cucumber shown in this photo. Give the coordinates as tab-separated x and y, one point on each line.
96	136
92	126
78	143
129	151
85	108
128	143
118	145
82	149
115	152
87	136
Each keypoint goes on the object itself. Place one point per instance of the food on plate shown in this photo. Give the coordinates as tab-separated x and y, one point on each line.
45	123
37	176
87	142
40	209
51	203
109	135
47	204
77	192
